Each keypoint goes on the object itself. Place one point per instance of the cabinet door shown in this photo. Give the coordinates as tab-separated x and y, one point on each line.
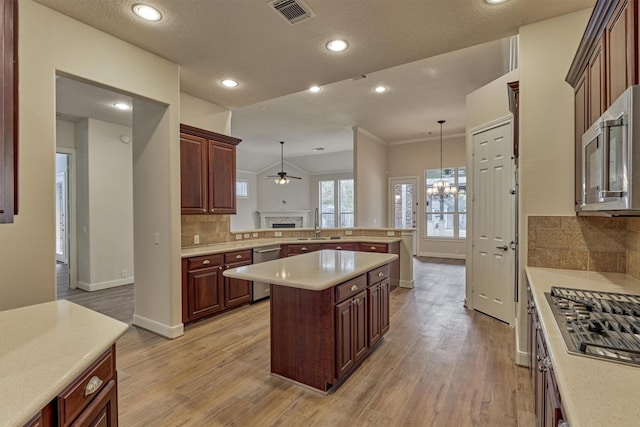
580	122
620	50
360	324
237	291
552	411
205	292
193	174
597	84
385	290
374	293
222	178
344	338
539	383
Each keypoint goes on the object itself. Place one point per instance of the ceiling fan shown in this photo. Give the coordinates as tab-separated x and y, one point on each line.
282	177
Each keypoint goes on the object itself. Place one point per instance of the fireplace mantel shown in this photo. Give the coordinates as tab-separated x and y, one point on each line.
298	216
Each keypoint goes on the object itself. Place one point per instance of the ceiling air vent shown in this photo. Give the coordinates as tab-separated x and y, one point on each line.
293	11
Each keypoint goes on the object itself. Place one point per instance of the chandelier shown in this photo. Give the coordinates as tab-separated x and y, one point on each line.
441	188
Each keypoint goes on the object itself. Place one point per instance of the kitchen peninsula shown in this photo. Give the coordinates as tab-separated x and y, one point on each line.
329	309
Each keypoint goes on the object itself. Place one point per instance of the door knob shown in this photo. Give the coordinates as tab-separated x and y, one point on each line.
504	247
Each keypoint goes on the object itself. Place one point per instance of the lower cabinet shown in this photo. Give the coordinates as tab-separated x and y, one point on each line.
319	337
90	400
548	403
206	292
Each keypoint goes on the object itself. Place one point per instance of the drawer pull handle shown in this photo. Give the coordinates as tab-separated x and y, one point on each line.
206	261
354	288
372	247
381	274
92	386
238	256
303	248
338	247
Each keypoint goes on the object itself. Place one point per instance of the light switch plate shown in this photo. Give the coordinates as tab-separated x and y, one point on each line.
246	235
278	233
238	236
196	239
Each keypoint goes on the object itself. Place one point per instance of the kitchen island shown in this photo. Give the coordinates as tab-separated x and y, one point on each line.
329	310
58	364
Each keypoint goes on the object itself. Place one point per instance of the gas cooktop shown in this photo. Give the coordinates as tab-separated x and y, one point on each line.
603	325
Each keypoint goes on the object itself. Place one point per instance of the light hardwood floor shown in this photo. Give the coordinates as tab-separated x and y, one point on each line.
440	365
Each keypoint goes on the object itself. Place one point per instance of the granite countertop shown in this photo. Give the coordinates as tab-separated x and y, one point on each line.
594	392
314	271
250	244
44	347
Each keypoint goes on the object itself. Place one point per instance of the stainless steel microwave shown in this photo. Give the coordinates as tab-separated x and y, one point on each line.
611	158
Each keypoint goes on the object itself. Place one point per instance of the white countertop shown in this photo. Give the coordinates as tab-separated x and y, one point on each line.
314	271
250	244
43	349
593	392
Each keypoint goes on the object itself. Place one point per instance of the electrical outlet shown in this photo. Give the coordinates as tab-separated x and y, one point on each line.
156	238
238	236
254	235
246	235
196	239
348	232
391	233
278	234
124	274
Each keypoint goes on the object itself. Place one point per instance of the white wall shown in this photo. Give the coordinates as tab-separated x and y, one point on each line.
106	223
370	171
294	195
204	115
412	159
246	217
546	128
55	42
65	134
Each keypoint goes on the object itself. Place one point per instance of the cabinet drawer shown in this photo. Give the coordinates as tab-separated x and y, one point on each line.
351	287
374	247
79	394
340	246
302	249
378	274
204	261
237	256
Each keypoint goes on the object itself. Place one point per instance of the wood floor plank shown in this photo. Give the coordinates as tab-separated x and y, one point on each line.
439	365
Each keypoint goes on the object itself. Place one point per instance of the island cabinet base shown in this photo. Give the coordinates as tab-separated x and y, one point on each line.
320	337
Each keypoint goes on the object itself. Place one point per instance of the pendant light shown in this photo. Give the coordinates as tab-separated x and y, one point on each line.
441	188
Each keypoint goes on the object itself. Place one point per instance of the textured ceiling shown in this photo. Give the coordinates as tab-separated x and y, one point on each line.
394	42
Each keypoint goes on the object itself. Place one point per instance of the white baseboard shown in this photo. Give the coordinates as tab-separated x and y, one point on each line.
104	285
522	357
406	284
161	329
443	255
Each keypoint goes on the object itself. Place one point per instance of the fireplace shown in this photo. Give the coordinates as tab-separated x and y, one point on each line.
284	219
284	225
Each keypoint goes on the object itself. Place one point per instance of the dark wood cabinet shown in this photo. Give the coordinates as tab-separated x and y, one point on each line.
620	37
103	411
206	292
207	172
298	249
9	102
596	80
581	121
351	332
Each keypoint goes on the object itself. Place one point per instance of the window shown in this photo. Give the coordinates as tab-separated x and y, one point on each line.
242	188
447	216
336	196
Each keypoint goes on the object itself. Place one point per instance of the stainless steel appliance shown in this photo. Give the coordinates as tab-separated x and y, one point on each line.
603	325
611	158
263	254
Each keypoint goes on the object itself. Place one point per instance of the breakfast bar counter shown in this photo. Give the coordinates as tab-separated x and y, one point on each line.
329	311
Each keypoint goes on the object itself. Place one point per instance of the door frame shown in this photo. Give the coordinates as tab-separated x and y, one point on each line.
417	199
72	256
470	206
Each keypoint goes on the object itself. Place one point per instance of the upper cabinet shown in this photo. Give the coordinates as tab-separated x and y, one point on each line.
9	108
603	67
207	171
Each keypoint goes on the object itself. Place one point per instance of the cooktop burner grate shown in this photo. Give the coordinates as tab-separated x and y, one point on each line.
604	325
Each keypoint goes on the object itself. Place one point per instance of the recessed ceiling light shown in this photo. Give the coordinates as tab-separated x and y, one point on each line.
122	106
314	89
229	83
337	45
380	89
495	1
318	149
147	13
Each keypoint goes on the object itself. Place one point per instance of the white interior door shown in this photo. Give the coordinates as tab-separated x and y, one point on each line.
493	223
403	203
62	214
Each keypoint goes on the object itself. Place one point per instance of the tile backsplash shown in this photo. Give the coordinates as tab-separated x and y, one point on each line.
585	243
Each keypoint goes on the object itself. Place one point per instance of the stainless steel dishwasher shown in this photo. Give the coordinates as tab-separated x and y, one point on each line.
263	254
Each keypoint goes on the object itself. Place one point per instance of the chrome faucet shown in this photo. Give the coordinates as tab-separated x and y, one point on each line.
316	223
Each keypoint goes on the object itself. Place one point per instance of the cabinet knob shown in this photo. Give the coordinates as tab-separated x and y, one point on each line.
206	261
238	256
373	248
303	249
354	288
355	301
92	386
538	326
338	247
381	274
